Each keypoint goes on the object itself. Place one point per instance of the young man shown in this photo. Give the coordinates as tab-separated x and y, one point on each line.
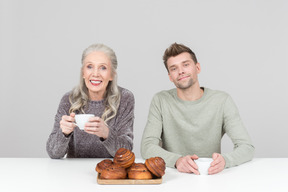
188	122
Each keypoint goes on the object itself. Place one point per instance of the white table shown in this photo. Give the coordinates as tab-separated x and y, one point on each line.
44	174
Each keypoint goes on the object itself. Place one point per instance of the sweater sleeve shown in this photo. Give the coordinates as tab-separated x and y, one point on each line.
233	126
121	134
151	138
57	144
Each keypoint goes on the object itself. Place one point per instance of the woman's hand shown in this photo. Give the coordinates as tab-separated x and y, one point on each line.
97	126
67	123
217	165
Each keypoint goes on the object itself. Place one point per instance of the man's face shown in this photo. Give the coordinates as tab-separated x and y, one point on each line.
183	72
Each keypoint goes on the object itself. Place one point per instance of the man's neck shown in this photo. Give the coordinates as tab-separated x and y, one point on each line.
192	93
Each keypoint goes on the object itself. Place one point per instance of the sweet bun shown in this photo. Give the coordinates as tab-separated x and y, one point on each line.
156	165
124	157
103	164
139	171
113	172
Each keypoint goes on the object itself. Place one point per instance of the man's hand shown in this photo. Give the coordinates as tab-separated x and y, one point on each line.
217	165
187	165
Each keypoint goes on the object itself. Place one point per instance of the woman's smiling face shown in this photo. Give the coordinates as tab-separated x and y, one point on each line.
97	72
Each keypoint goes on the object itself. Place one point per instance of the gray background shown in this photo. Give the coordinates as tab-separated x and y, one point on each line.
242	47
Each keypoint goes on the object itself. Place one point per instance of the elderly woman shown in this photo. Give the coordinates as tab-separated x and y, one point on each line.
98	94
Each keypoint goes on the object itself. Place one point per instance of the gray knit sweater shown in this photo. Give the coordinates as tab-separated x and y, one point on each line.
82	144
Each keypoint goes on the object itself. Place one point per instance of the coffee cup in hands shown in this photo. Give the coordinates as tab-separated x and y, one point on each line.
81	119
203	165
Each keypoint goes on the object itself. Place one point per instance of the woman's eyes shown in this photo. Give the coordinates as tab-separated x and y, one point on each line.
103	68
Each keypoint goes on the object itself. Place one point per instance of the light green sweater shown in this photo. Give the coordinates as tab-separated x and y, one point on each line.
176	128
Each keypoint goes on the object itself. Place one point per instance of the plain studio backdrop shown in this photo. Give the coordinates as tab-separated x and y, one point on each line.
242	47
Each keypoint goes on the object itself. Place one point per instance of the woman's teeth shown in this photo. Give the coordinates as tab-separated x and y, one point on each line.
95	82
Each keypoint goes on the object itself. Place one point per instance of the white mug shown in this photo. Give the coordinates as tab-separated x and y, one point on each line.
203	165
81	119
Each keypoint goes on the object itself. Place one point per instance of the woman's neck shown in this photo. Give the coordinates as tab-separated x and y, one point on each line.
96	96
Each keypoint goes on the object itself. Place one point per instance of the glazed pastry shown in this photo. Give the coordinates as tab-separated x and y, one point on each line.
103	164
124	157
139	171
113	172
156	165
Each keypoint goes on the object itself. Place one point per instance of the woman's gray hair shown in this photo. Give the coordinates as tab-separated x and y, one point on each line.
80	96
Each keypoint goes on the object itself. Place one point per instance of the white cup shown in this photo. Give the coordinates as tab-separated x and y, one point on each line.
81	119
203	165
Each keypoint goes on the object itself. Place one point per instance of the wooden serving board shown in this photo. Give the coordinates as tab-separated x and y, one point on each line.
128	181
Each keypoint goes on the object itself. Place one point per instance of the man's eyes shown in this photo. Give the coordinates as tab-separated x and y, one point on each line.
173	69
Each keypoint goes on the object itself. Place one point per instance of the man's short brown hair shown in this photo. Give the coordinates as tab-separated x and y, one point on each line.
176	49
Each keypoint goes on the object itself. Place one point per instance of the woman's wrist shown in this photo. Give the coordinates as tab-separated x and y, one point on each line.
67	135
